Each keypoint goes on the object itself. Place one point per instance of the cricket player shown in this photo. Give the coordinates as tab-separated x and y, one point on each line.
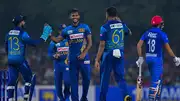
79	39
16	41
58	52
111	51
155	39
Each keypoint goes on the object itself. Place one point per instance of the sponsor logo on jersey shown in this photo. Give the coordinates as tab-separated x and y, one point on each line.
14	32
58	44
152	35
117	25
81	30
62	49
76	36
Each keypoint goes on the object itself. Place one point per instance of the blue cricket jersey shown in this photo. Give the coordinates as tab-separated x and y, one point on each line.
154	39
61	48
77	38
112	32
16	40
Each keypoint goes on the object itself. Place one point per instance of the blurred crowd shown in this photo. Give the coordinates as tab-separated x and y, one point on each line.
42	66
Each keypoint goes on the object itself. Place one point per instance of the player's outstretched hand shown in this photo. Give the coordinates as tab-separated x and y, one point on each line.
47	30
177	61
140	61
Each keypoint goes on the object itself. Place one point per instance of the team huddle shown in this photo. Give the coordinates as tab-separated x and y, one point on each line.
69	52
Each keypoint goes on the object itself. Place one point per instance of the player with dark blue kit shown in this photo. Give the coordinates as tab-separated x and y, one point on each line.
79	39
58	52
111	53
16	41
155	40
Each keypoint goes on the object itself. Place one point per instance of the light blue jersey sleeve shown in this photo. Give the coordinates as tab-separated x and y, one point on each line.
51	50
102	34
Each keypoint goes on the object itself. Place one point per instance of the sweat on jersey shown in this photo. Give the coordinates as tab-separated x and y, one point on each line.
15	44
154	39
61	48
113	34
76	36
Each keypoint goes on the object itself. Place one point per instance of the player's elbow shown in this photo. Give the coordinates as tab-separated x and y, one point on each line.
139	46
90	44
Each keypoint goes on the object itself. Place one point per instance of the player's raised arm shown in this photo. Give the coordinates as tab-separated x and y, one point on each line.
28	40
56	39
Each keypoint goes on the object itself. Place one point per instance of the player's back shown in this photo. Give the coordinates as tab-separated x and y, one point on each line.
154	39
16	46
113	34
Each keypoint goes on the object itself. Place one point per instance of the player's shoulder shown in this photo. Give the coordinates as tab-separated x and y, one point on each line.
84	25
67	27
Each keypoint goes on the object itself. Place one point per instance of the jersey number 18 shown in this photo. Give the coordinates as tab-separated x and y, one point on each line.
152	44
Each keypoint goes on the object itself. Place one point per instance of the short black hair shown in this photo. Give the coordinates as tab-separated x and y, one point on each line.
111	11
74	10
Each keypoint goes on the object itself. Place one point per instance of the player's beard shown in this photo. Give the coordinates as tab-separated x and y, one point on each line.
23	26
75	21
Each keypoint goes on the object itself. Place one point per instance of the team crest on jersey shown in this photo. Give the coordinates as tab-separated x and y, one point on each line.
66	44
70	31
81	30
76	36
62	49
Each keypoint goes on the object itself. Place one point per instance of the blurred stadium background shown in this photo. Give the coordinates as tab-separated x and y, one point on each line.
137	15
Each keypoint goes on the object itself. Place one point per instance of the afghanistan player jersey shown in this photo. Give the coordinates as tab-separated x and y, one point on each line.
113	34
76	36
154	39
61	48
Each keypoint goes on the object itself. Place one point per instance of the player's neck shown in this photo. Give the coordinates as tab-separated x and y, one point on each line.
76	23
111	18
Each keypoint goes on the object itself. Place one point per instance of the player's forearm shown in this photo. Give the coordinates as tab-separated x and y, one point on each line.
171	53
89	45
169	50
33	42
139	50
100	52
55	39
